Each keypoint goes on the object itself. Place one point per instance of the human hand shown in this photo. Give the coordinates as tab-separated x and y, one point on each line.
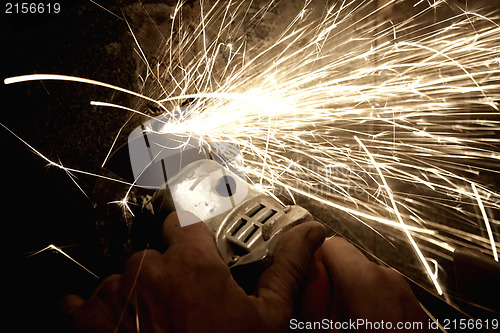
188	288
358	290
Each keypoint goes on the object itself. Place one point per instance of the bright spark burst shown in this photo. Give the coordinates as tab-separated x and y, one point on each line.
393	122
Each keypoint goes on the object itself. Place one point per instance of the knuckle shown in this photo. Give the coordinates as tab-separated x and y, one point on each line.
109	286
145	268
150	273
137	259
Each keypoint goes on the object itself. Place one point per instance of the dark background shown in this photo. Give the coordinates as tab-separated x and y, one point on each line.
41	204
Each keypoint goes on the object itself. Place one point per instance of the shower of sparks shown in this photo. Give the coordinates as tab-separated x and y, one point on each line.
486	222
392	122
400	219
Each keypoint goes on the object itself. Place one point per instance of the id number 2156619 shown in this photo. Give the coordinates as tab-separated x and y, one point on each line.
32	8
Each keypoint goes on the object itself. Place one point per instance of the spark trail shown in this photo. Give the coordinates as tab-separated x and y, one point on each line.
393	122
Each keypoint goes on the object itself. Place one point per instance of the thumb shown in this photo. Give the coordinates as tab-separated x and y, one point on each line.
279	285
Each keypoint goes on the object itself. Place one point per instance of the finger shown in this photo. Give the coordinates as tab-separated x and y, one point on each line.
358	284
279	284
70	303
343	261
316	292
196	234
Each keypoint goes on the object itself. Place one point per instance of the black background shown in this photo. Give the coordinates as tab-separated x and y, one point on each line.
41	204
